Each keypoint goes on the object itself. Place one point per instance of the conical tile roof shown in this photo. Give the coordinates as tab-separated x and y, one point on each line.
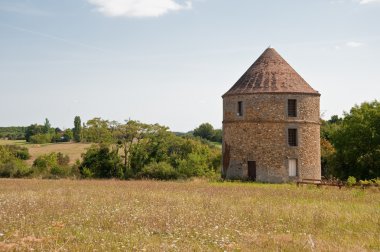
270	74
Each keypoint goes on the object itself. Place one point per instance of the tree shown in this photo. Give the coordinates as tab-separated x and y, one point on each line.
217	137
102	162
327	157
357	142
46	127
67	135
32	130
97	131
128	137
77	131
205	130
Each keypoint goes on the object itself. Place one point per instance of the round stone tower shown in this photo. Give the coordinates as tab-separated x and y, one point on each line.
271	128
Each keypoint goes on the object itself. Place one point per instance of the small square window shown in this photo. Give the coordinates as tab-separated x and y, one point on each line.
292	137
240	108
292	108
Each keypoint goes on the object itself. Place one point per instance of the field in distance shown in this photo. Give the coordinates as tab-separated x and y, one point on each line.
89	215
73	150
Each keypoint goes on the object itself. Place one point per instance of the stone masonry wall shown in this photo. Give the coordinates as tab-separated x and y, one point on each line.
261	135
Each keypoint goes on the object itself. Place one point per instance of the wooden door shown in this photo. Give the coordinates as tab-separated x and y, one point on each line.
292	167
252	170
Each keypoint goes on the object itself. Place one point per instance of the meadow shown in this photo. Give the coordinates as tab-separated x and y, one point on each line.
112	215
73	150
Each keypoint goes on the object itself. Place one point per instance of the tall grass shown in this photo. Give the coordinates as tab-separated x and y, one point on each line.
185	216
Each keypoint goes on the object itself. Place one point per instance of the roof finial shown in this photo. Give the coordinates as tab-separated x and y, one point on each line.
270	46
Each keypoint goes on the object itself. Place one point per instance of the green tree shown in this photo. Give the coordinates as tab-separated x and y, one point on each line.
217	137
46	127
357	142
102	162
77	131
205	130
67	135
40	138
32	130
97	131
126	135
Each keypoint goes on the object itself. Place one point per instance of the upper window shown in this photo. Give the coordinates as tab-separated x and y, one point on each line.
292	137
292	108
240	108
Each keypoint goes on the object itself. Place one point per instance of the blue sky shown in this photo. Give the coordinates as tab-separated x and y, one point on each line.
169	61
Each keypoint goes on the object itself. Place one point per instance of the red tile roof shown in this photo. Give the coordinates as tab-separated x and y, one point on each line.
271	74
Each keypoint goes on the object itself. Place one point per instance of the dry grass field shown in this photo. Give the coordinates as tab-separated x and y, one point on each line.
73	150
69	215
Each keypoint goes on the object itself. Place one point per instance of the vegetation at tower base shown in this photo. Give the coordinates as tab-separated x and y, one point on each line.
355	139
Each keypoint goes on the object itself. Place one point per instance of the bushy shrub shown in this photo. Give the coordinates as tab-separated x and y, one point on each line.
62	160
351	181
40	138
87	173
19	151
102	162
45	161
10	165
53	165
194	165
14	169
59	171
162	171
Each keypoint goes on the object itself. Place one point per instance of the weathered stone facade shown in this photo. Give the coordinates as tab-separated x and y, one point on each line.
260	133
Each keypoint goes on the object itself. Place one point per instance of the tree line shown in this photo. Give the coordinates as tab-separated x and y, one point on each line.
122	150
135	149
350	145
12	133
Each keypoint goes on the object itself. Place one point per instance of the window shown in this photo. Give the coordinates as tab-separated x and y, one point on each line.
292	137
292	108
240	108
292	167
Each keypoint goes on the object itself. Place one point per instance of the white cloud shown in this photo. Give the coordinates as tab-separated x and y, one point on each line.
368	1
138	8
354	44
